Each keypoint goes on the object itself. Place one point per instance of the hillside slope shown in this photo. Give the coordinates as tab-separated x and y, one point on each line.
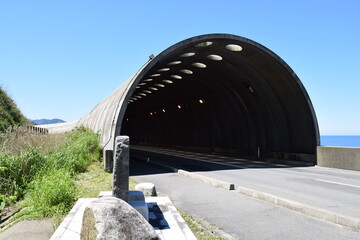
10	115
47	121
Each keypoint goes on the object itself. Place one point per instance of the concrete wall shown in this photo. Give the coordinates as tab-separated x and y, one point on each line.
59	127
339	157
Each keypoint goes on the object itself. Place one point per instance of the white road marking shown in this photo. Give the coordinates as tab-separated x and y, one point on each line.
344	184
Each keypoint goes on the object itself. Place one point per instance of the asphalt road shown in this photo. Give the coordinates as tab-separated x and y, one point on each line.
248	218
330	189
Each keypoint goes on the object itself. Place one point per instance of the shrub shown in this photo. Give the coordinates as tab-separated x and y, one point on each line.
51	194
18	171
78	152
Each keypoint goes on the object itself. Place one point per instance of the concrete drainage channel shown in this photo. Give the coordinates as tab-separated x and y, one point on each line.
344	221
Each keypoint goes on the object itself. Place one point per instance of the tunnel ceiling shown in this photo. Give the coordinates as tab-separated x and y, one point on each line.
221	93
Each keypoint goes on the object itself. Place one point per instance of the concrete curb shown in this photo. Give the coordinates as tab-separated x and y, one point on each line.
345	221
208	180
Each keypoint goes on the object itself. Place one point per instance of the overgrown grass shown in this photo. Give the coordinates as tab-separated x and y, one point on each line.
45	177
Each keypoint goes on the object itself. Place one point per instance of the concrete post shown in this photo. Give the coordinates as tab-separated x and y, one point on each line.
108	156
120	188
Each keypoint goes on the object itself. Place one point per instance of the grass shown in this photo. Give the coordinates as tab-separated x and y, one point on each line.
201	231
45	176
89	183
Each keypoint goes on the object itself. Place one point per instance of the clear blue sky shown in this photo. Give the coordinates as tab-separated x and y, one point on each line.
60	58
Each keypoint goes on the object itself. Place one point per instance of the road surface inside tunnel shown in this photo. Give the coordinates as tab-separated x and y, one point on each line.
328	189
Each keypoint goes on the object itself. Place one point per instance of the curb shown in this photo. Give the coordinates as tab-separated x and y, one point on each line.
208	180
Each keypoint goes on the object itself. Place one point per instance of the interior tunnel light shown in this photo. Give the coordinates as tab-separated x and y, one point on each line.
179	106
147	91
234	47
189	54
199	65
201	101
164	110
151	113
167	81
174	63
186	71
152	88
203	44
176	76
251	90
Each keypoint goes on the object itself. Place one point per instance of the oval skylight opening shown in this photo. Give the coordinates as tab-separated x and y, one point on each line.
174	63
163	69
167	81
199	65
152	88
155	75
147	80
147	91
189	54
159	85
204	44
233	47
214	57
176	76
186	71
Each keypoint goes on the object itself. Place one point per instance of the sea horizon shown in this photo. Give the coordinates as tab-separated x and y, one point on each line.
340	140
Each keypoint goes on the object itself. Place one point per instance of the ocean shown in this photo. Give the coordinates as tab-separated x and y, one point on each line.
340	141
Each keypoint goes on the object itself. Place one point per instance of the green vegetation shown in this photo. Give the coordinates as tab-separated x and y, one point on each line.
10	115
201	232
89	183
43	175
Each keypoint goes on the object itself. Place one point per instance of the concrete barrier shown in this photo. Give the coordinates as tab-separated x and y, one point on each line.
339	157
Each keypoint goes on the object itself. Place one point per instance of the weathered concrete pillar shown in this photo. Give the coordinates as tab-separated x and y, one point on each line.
120	188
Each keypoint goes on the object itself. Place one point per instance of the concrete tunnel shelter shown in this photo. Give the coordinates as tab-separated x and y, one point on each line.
214	93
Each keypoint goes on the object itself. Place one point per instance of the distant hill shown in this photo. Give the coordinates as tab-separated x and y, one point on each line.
10	115
46	121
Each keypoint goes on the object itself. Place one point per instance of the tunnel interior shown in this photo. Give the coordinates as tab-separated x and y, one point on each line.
222	95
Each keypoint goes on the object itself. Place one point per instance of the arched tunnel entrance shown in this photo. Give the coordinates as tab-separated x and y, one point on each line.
221	94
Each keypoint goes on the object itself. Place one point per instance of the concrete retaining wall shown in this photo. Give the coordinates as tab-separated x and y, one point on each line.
339	157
